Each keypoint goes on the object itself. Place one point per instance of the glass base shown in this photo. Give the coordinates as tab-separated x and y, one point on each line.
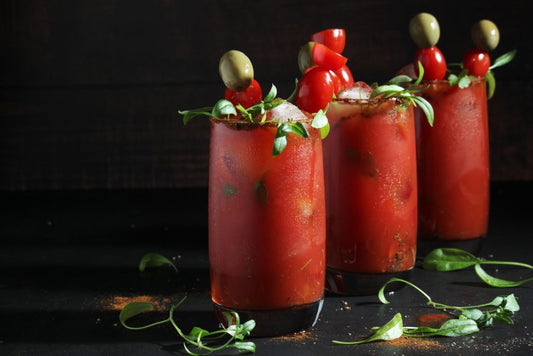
353	283
426	246
277	322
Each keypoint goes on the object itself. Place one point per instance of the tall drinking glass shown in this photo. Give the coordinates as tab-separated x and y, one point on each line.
266	226
453	167
371	194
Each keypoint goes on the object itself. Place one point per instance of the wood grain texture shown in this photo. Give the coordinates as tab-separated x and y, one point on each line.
89	90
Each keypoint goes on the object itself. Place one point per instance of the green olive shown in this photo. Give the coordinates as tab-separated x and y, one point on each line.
236	70
424	30
305	57
485	35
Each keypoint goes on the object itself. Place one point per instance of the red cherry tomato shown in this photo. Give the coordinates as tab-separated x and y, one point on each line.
433	62
337	84
248	97
315	90
333	38
327	58
477	62
345	76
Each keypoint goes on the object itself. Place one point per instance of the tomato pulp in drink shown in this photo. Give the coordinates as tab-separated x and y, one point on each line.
453	163
266	219
371	188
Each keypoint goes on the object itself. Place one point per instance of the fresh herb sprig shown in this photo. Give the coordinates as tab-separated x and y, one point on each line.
472	318
155	260
205	341
463	80
224	109
451	259
394	88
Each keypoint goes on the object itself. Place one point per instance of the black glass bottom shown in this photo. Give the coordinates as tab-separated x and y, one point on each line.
352	283
425	246
276	322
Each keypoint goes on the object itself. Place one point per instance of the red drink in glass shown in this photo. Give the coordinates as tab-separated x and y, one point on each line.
371	193
453	167
266	225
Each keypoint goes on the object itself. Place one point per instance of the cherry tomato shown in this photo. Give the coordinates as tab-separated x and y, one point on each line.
477	62
433	62
333	38
327	58
315	90
337	84
345	76
248	97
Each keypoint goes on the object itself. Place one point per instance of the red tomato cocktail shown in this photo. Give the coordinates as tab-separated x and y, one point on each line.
371	193
266	225
453	166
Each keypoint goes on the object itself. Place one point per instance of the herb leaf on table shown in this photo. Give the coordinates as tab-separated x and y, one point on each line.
451	259
205	341
471	318
155	260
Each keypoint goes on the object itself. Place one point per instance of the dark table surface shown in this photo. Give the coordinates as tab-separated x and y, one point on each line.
69	262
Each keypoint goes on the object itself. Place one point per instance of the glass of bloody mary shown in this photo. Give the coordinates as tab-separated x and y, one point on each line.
371	193
453	167
267	224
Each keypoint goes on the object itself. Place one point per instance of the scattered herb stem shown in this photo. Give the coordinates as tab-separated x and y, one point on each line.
257	113
205	341
472	318
451	259
394	88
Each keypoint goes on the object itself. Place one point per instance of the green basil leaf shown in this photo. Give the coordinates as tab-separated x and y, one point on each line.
491	84
448	259
271	94
324	131
503	59
299	129
133	309
223	107
155	260
248	326
244	346
292	97
426	108
188	115
280	142
420	74
272	104
400	79
450	328
458	327
386	90
390	331
197	332
498	282
320	120
473	314
511	304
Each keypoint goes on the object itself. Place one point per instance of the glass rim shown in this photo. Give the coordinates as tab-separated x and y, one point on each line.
369	102
473	80
247	124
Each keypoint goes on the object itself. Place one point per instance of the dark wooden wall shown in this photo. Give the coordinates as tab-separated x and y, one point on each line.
89	90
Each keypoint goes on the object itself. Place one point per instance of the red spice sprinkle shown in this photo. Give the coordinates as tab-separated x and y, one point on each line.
434	320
